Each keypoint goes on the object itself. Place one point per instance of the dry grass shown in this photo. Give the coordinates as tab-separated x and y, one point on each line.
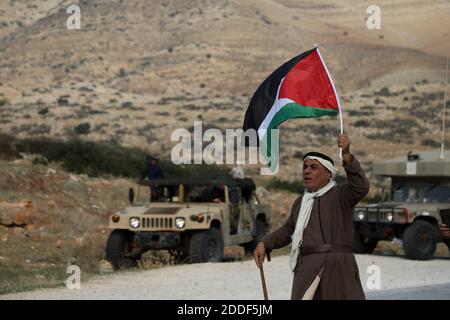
68	224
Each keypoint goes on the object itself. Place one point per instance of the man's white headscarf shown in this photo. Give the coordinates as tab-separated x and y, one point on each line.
307	204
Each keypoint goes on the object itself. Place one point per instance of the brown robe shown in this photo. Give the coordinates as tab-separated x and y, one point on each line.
330	222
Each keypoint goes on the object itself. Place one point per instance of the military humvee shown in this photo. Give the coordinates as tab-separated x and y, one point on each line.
420	191
193	218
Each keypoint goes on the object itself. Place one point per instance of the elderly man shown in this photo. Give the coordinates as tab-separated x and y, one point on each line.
320	229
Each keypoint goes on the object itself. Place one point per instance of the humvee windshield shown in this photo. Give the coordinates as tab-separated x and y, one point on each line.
192	193
418	190
204	193
165	194
199	189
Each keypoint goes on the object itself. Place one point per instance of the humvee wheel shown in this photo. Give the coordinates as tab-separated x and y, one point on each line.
361	244
177	257
259	228
419	240
118	245
206	246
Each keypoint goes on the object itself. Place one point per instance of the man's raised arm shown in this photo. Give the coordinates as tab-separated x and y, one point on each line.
357	185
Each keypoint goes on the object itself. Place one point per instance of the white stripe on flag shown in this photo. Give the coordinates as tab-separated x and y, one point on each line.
277	105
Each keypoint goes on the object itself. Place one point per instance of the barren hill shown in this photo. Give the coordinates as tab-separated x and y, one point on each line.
139	69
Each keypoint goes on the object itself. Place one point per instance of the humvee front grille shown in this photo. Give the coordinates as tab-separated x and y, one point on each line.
157	222
376	215
380	215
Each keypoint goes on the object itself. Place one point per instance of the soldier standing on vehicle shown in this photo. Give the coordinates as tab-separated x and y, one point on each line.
152	172
152	169
320	229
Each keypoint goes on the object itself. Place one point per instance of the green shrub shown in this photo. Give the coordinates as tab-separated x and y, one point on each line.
43	111
63	100
362	123
430	143
292	186
7	150
385	92
296	185
369	112
83	128
106	158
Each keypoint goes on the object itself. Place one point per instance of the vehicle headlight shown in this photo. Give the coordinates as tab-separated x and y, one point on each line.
361	215
390	217
180	222
134	222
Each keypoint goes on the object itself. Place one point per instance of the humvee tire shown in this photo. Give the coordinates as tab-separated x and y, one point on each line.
361	244
259	233
206	246
420	240
118	246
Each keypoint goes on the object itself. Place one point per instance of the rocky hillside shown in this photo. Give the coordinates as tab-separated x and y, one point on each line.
49	219
139	69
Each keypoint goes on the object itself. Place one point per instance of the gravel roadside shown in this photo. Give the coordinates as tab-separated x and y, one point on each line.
237	280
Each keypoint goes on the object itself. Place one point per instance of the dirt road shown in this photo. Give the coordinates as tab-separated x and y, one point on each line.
240	280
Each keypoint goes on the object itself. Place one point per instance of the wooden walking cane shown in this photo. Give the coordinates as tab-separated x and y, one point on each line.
263	280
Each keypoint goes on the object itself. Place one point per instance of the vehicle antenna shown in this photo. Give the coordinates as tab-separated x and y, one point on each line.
443	116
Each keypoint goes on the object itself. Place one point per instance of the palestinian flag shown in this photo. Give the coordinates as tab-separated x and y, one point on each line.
300	88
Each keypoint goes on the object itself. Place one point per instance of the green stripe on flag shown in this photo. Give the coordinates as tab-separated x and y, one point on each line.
295	110
291	111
